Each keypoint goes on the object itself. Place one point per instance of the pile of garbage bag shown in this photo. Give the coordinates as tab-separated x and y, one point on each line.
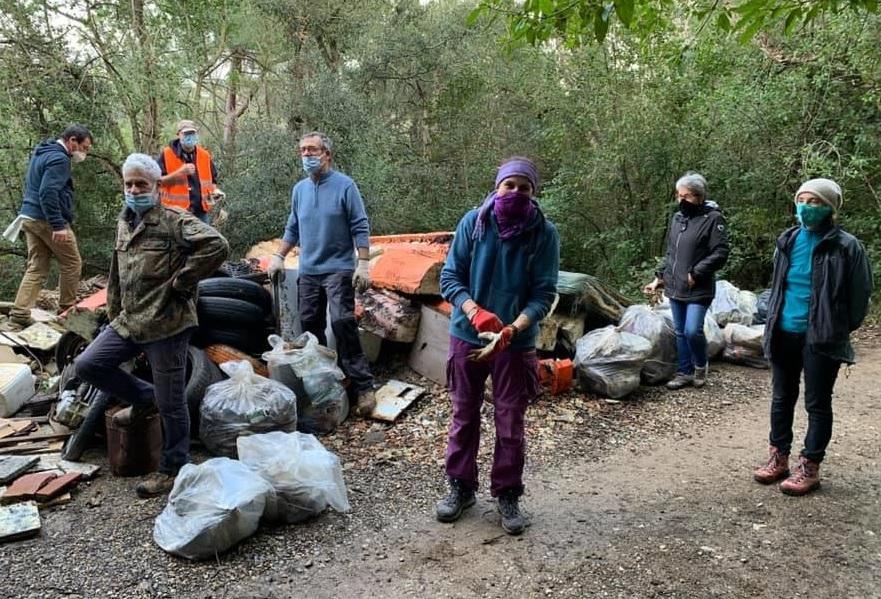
306	477
609	361
244	404
212	506
732	305
743	345
281	477
712	332
311	370
657	329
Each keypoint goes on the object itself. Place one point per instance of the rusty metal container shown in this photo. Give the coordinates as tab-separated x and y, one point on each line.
133	450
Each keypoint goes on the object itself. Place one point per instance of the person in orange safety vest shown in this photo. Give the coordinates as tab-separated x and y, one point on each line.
189	176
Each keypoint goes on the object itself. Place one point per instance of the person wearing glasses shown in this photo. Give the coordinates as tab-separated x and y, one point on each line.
329	224
819	295
697	247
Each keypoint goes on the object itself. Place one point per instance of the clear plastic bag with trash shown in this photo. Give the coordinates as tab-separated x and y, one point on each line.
307	478
657	329
212	506
311	370
731	305
609	361
244	404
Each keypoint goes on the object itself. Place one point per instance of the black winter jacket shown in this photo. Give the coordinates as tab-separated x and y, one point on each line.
841	284
696	244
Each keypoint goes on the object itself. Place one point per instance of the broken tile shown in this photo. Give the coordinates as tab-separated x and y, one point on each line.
57	486
19	521
26	486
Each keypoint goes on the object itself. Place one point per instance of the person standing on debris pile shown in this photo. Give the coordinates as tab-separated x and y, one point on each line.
189	177
46	217
697	247
501	277
328	223
819	294
161	253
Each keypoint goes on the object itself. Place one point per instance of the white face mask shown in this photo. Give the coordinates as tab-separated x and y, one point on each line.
77	156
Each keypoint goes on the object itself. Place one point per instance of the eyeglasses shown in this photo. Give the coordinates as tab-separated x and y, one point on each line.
311	150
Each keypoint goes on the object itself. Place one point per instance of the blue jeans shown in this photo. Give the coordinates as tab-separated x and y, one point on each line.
691	344
99	366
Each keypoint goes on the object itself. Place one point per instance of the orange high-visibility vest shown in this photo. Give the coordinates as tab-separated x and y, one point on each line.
177	192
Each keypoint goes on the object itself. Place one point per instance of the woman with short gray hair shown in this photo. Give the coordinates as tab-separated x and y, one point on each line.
697	247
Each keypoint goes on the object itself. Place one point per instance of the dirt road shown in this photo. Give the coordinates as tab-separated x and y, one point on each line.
649	498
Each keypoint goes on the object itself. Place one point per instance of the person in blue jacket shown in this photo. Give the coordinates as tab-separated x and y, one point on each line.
46	216
501	277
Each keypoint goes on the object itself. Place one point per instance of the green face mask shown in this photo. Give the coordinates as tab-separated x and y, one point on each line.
811	216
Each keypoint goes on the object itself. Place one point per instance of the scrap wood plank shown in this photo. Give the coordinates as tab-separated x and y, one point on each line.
9	428
59	500
12	466
393	398
19	521
25	448
33	438
390	316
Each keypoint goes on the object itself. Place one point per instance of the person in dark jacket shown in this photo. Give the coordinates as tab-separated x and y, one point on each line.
501	277
697	247
819	294
46	217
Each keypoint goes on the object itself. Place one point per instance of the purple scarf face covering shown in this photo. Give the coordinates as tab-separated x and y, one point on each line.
513	211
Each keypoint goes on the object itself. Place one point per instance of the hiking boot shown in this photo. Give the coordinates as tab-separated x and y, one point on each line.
679	381
156	483
134	414
460	498
804	478
366	403
20	320
776	468
513	520
700	375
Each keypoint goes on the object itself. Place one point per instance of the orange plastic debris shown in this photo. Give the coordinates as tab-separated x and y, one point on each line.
557	375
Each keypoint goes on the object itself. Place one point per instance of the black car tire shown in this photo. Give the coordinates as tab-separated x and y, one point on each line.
240	289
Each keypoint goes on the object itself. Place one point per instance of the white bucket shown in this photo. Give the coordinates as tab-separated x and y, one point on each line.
16	387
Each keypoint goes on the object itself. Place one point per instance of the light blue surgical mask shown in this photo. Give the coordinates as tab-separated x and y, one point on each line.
810	216
311	164
190	140
140	203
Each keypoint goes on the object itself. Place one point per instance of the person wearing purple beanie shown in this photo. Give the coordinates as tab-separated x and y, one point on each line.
501	277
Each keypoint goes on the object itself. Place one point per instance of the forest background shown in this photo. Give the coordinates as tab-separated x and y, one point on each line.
423	99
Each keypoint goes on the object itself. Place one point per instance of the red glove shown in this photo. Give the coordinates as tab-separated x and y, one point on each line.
485	321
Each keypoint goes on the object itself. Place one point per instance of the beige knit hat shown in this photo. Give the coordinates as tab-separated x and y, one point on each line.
825	189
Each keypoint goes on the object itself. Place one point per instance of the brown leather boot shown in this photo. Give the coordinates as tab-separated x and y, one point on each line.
366	403
776	468
804	479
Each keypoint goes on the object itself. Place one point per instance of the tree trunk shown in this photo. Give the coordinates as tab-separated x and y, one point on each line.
149	135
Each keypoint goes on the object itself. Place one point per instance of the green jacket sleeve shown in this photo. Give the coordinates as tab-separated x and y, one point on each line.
207	251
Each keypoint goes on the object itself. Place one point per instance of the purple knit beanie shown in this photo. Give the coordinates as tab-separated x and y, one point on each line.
519	166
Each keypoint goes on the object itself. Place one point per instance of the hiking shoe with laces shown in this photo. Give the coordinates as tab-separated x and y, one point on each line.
804	478
776	468
700	375
513	520
156	483
460	498
679	381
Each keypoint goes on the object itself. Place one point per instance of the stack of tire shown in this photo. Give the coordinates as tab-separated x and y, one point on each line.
235	312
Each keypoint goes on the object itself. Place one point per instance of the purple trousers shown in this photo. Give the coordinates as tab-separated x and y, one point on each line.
515	382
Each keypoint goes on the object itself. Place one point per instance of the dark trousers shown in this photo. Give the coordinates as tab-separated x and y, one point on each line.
789	357
99	366
515	382
316	293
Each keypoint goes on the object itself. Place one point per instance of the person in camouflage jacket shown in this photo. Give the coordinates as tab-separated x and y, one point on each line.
160	255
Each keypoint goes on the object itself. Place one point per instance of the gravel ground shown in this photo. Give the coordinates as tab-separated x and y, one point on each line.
622	496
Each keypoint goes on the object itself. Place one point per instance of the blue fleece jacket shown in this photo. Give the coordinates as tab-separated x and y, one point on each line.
328	222
797	293
505	277
48	187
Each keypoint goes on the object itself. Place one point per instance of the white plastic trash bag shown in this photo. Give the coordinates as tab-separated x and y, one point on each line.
608	361
212	506
244	404
306	477
715	339
311	370
657	329
732	305
747	337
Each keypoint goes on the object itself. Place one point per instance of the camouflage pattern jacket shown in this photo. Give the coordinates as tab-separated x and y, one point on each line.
156	266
